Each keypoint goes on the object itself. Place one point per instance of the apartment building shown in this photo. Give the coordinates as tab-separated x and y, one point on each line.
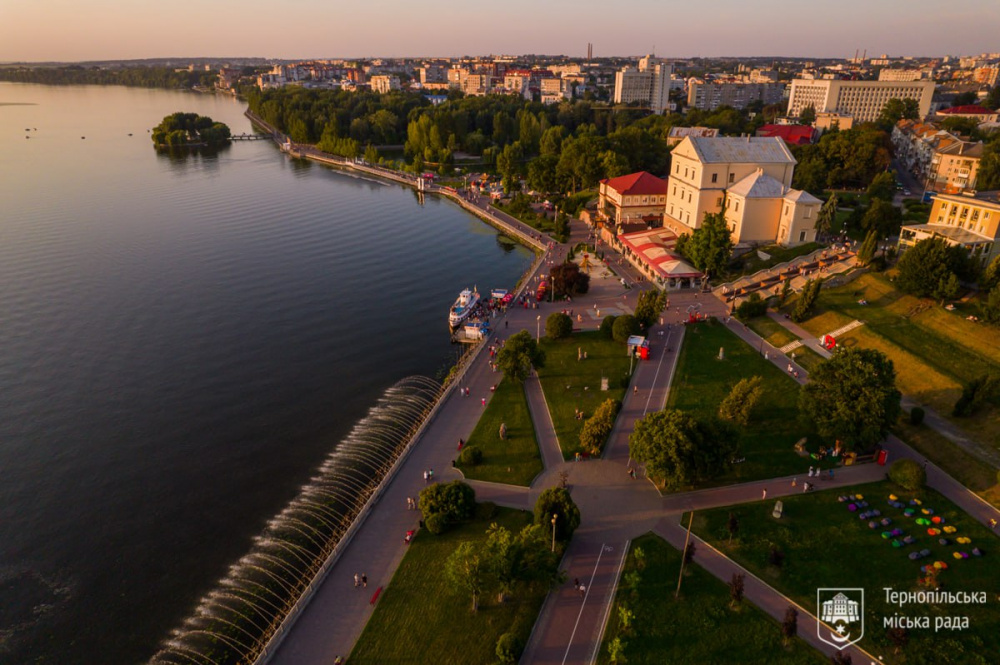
383	83
709	96
648	83
751	177
861	99
900	75
954	167
972	221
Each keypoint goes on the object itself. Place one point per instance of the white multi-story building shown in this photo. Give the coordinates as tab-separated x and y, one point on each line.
384	83
709	96
900	75
861	99
649	83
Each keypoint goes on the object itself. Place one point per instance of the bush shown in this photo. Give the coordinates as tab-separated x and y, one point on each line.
509	648
908	474
916	416
979	391
607	327
558	326
624	327
470	456
751	307
597	428
557	501
436	524
448	502
738	406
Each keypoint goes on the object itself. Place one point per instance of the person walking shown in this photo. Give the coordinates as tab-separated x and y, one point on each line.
635	390
763	495
425	475
364	580
484	402
357	581
794	481
583	590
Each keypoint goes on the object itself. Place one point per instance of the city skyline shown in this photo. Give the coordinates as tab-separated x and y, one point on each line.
59	30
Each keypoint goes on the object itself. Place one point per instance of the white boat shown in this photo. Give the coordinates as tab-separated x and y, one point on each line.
467	300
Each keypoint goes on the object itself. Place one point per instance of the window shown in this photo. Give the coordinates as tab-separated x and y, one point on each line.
732	176
809	212
737	208
689	197
786	210
715	177
802	236
675	190
677	169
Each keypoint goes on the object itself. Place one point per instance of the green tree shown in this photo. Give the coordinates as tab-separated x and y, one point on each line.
807	300
989	311
509	165
711	245
552	139
452	502
542	173
991	275
867	250
827	215
509	649
923	267
752	307
790	625
883	186
607	327
519	355
467	569
624	327
897	109
853	397
738	406
504	556
649	307
558	326
808	115
371	154
598	427
557	501
948	288
882	217
678	450
988	176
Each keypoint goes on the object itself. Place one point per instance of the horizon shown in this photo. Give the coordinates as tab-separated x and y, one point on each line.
117	30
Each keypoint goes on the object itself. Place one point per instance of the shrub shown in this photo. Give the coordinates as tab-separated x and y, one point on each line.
557	501
738	406
597	428
983	389
470	456
436	524
607	327
558	326
450	502
916	415
908	474
625	326
509	648
751	307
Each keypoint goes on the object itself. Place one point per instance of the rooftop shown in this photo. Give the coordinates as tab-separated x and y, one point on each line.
968	109
758	185
794	134
640	183
735	149
655	249
953	233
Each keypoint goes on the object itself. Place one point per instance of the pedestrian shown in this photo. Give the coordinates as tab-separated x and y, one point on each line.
635	390
583	590
364	580
763	495
357	581
831	473
993	523
576	582
460	444
631	473
506	324
430	473
810	472
794	481
484	402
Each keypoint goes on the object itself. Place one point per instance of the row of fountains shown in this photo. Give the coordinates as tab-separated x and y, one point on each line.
233	624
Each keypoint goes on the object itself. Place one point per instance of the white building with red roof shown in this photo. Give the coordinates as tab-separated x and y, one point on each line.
635	197
974	111
653	253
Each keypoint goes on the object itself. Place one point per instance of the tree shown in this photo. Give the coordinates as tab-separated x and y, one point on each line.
649	307
625	326
519	355
371	154
606	329
827	215
991	275
867	250
466	568
807	299
569	280
897	109
597	428
711	245
504	555
753	306
542	173
882	217
732	526
678	450
923	266
509	649
807	116
790	625
883	186
948	288
908	473
558	326
738	406
557	501
736	588
450	502
989	311
852	397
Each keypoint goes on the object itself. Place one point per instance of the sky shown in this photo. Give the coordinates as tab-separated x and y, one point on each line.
74	30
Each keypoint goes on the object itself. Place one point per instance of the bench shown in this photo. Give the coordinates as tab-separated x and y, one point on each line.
378	592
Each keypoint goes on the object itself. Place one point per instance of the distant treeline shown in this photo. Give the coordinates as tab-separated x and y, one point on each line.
141	77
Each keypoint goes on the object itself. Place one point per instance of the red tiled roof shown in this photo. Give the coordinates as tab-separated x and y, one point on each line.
641	183
969	109
794	134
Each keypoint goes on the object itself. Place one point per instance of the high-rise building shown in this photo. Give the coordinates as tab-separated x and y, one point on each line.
861	99
709	96
649	83
590	51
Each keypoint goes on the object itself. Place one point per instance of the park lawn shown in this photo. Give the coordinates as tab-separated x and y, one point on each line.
515	461
826	546
934	351
974	473
571	384
702	381
806	358
421	618
669	630
773	332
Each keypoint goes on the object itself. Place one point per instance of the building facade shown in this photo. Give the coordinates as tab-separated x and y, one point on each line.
709	96
635	197
383	84
648	83
861	99
972	221
954	167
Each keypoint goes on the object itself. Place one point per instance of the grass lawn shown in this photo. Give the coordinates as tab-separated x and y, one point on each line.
972	472
934	351
702	382
827	546
773	332
420	618
806	358
571	384
668	630
515	461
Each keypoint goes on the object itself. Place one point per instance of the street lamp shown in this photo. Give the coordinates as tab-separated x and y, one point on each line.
538	327
555	516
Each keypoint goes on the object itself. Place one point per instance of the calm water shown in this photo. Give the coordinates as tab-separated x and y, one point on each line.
182	341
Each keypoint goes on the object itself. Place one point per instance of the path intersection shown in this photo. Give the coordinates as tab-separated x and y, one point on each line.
614	507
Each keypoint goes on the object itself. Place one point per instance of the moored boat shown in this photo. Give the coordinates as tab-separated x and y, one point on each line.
466	302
